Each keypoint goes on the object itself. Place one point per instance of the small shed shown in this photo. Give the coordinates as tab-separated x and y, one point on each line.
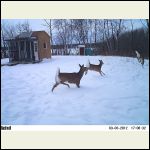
88	51
29	47
81	49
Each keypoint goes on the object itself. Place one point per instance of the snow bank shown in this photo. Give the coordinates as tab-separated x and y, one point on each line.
4	61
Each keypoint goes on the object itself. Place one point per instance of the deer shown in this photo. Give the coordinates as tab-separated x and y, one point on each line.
93	67
73	78
140	57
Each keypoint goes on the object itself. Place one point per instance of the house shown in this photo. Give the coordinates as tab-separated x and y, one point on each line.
29	47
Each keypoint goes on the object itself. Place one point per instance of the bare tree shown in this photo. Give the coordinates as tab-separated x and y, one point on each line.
26	26
61	27
70	29
132	34
118	31
2	35
80	28
95	30
145	23
3	43
49	24
113	34
107	34
7	31
23	27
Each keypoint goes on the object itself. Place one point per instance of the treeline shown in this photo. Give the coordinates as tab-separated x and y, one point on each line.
128	42
105	36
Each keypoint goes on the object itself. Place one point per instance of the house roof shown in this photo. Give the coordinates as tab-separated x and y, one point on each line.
36	32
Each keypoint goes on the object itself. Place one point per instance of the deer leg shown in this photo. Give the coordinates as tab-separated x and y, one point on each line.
103	72
86	72
65	84
55	85
100	73
138	59
78	84
142	62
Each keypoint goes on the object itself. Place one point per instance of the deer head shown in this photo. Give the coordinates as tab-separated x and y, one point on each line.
82	69
101	62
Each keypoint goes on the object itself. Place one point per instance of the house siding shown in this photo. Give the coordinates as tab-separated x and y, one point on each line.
43	37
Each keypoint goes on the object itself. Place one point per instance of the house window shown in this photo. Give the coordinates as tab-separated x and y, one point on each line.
35	47
45	45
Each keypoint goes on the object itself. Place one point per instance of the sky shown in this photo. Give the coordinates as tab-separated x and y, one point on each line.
36	24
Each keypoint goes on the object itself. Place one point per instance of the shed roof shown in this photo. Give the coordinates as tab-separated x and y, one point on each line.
81	45
24	35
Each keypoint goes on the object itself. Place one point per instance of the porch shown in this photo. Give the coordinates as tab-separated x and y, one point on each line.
22	50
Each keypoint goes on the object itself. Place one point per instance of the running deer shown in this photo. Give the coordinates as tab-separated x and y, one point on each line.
93	67
140	57
73	78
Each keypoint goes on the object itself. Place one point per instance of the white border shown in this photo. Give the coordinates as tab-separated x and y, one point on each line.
78	128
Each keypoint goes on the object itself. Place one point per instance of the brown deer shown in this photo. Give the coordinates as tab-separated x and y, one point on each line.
73	78
93	67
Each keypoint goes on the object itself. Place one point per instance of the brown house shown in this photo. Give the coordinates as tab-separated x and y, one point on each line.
29	47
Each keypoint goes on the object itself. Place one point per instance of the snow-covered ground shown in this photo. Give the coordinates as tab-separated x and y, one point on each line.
5	61
120	97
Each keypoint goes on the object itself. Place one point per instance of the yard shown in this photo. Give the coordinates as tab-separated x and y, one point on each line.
119	97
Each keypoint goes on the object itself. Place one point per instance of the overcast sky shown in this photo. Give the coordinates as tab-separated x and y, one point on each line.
36	24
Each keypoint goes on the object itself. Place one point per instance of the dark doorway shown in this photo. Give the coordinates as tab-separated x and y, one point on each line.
81	50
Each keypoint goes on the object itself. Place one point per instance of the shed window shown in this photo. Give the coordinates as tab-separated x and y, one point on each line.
45	45
35	47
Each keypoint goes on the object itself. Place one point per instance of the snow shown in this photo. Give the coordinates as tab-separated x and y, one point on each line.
5	61
120	97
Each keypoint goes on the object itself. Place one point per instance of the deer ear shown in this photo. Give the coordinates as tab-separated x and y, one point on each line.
79	65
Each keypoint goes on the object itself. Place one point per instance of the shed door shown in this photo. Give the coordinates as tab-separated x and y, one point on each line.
36	50
81	50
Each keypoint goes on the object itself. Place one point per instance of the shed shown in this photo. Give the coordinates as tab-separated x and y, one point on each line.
29	47
88	51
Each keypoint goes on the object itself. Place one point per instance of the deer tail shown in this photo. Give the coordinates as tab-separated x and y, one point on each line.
57	79
88	64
